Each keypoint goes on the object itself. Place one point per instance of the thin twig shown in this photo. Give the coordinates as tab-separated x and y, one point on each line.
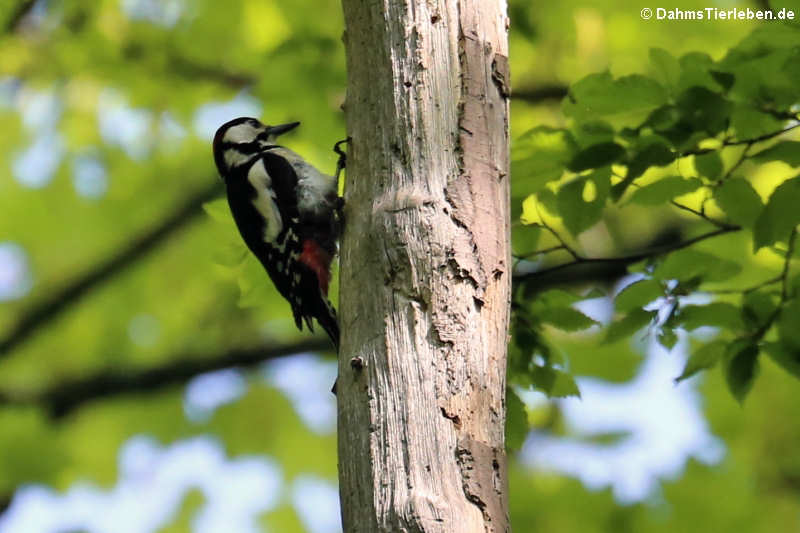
738	163
540	252
754	140
702	215
748	290
786	263
628	259
558	237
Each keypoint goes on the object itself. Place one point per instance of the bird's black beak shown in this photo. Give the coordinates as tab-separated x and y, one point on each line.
274	131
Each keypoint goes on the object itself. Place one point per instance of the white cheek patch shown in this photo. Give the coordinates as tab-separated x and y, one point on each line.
264	201
235	158
243	133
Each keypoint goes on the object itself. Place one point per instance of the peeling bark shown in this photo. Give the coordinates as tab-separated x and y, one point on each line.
425	277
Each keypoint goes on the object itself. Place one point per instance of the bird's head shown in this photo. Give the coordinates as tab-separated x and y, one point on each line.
237	140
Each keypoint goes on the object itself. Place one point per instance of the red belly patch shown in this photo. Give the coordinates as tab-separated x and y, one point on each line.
319	261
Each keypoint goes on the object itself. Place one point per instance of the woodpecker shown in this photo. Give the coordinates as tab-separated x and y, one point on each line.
287	212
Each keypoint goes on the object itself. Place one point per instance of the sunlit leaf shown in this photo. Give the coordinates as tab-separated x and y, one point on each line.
539	156
664	190
786	151
581	201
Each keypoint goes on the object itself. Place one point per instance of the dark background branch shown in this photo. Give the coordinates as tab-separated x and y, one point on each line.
537	95
65	397
46	310
19	14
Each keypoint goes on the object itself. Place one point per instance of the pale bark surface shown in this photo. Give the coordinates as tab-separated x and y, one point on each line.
425	275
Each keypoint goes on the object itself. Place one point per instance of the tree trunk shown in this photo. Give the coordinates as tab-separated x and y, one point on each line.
425	275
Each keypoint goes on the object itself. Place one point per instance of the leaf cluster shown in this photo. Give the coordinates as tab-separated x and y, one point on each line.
687	143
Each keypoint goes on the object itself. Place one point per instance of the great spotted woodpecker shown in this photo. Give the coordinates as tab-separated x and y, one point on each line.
287	212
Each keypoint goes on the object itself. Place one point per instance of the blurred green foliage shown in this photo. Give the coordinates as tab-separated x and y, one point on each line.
652	117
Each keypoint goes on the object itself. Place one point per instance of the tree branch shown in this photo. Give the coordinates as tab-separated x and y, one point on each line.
63	398
59	300
619	263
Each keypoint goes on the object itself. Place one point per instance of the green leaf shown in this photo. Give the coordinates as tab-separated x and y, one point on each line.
764	65
525	239
696	71
627	99
555	383
707	356
539	156
548	200
724	79
786	151
593	132
667	338
638	294
789	325
704	110
664	190
739	200
750	123
628	325
687	264
757	308
663	118
567	319
784	356
598	155
666	67
715	314
517	424
780	216
652	154
708	165
741	369
581	201
554	298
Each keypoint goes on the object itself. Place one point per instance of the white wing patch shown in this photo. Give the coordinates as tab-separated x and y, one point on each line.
264	201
